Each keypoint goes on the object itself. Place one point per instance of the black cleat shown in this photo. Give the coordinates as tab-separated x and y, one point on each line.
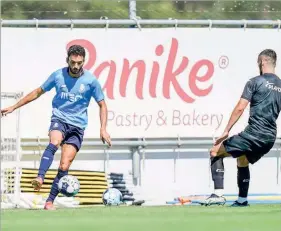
214	200
238	204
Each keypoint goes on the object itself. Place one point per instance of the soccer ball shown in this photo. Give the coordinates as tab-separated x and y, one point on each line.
69	185
112	196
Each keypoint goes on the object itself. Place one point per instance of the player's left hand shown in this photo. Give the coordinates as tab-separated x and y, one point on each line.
105	137
221	138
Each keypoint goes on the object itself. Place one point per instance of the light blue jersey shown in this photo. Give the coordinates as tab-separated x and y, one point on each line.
73	95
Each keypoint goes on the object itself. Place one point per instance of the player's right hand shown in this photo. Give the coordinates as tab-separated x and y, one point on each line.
7	111
221	138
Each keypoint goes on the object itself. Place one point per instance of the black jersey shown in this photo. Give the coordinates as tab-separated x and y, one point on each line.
264	94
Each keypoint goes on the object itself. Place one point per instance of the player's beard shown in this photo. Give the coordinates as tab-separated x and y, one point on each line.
75	71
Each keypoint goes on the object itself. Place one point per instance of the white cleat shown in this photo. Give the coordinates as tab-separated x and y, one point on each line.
214	200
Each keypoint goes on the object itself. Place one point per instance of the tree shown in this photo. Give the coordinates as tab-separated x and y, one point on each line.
118	9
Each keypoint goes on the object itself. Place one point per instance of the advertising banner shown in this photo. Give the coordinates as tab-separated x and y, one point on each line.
160	82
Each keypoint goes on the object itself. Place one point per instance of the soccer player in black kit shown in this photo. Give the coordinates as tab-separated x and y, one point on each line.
263	92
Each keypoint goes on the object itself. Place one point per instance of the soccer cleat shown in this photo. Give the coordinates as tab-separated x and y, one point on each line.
214	200
238	204
37	183
49	206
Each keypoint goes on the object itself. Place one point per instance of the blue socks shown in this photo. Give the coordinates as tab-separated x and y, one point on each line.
54	190
46	160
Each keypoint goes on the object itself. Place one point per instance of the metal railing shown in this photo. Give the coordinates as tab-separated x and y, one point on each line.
139	22
138	148
158	143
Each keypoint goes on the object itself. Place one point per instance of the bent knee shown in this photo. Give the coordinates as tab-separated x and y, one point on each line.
218	151
242	161
213	154
56	138
56	142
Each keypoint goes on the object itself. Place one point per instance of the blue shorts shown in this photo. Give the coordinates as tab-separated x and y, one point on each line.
71	134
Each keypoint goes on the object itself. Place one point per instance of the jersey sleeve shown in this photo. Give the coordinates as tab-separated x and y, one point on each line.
97	91
249	90
49	83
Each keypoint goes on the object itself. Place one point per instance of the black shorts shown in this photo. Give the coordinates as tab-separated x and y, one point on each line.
250	146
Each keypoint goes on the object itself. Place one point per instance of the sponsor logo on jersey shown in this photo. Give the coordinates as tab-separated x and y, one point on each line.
273	87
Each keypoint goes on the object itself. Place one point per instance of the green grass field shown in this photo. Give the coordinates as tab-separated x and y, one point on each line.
193	218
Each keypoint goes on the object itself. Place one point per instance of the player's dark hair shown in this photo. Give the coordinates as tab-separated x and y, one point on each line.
76	50
271	54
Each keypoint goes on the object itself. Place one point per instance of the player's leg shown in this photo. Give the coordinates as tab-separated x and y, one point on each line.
71	145
235	146
56	134
217	153
56	138
257	148
68	154
243	181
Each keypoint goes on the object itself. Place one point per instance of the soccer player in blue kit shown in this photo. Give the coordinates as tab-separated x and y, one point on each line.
263	92
75	87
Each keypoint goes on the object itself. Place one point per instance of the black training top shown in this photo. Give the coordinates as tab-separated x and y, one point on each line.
264	94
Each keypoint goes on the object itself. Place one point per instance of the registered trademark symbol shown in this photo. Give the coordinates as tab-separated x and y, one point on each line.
223	62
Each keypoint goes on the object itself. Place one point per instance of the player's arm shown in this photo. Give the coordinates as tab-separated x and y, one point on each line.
35	94
103	121
99	97
103	115
246	97
236	114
